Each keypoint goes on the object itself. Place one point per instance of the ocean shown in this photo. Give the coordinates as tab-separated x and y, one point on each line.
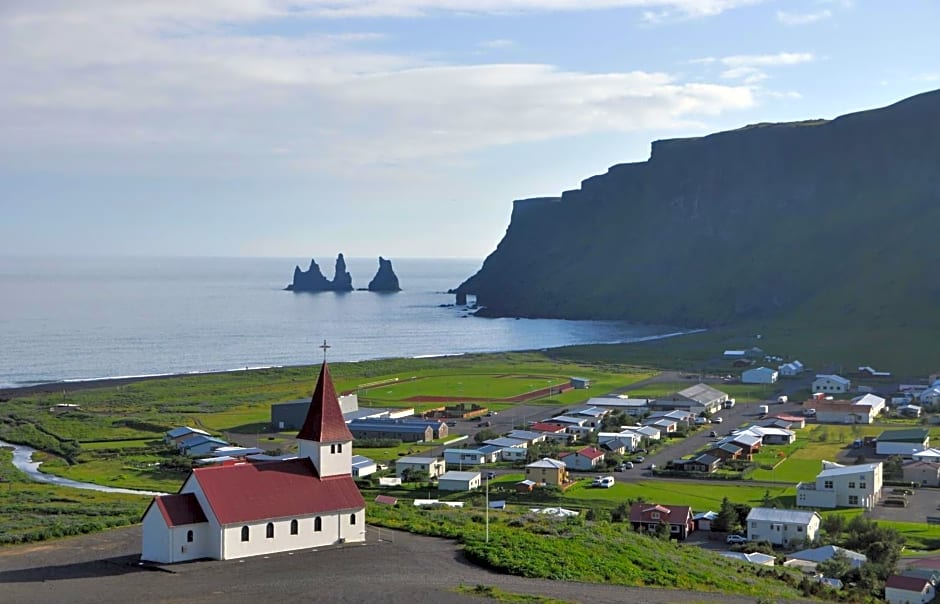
69	319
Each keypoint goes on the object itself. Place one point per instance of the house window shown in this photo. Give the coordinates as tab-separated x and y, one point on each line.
244	533
827	484
293	527
851	485
753	525
317	524
861	485
352	519
799	529
654	515
853	499
270	531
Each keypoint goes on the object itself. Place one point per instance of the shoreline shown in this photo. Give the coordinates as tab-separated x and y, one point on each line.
80	384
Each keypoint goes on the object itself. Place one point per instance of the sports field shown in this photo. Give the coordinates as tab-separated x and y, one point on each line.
505	387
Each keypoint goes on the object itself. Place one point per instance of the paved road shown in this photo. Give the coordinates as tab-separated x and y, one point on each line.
401	568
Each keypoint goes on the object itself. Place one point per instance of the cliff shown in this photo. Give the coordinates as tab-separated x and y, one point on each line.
385	279
818	221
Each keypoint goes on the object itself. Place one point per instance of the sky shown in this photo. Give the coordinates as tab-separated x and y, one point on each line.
402	128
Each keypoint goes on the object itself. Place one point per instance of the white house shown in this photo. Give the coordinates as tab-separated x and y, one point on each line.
530	436
908	590
791	369
178	435
433	466
631	440
843	486
782	527
812	557
874	401
927	455
903	442
200	445
586	459
930	396
759	375
362	466
458	481
464	457
631	406
249	509
831	384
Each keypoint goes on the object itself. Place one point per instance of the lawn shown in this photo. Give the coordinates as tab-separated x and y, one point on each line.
742	393
701	496
127	472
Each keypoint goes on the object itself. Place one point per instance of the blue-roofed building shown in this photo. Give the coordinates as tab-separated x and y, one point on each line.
201	445
391	429
178	435
362	466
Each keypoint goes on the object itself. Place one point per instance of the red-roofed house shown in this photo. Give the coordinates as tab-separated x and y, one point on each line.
249	509
648	517
587	458
549	427
908	590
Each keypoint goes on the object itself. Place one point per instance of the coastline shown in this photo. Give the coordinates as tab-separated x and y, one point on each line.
73	385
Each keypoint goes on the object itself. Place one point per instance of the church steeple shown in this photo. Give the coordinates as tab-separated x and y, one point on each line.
324	437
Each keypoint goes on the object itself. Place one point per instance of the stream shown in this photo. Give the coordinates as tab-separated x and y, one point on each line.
23	461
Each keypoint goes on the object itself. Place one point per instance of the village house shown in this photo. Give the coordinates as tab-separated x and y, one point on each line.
200	445
908	590
459	481
808	559
782	527
770	435
464	457
791	369
923	473
842	486
697	399
903	442
705	463
759	375
831	384
620	442
362	466
648	517
249	509
842	411
432	466
726	451
587	459
677	415
178	435
547	471
796	422
530	436
664	425
703	520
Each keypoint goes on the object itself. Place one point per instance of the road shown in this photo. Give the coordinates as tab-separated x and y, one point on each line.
399	568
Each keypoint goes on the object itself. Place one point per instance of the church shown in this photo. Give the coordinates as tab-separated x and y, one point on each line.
249	509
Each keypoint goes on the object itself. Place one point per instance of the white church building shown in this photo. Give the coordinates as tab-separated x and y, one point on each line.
249	509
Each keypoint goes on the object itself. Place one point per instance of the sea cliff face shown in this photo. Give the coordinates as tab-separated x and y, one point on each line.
819	220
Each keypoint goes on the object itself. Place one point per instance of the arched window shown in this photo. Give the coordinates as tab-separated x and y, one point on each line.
244	533
352	519
270	531
332	449
293	527
339	448
317	524
189	536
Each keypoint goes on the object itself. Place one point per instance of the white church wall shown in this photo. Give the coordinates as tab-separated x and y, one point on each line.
182	549
330	459
156	542
212	547
333	527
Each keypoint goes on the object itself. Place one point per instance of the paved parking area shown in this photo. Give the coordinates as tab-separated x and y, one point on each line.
923	503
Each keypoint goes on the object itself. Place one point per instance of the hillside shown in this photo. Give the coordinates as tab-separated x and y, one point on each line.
808	223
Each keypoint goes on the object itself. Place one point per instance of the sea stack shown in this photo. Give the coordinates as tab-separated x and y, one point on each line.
385	279
342	280
312	280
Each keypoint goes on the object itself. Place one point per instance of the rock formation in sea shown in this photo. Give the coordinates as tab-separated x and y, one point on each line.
312	280
385	279
342	280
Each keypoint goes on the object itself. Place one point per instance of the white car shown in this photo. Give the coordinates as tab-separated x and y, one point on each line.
717	420
735	539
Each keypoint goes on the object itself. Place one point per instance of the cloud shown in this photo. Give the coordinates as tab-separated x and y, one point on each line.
135	88
803	18
750	69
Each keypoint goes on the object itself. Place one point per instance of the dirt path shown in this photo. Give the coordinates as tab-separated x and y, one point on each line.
399	568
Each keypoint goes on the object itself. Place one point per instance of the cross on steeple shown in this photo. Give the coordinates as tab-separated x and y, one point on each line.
324	346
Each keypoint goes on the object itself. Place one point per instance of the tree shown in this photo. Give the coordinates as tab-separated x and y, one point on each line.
893	468
835	567
833	525
727	520
485	434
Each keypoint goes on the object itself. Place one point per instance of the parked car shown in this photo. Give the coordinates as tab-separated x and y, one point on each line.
717	420
713	434
639	459
604	482
490	475
809	412
628	465
735	539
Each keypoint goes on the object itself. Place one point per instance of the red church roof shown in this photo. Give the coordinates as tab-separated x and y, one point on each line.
324	422
277	489
179	510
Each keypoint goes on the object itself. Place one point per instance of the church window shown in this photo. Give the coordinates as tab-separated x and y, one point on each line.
293	527
332	449
339	448
270	531
317	524
189	536
352	519
244	533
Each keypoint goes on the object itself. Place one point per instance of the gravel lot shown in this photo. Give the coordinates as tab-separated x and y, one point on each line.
401	568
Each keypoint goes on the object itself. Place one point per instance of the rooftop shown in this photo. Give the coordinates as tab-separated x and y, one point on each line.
780	515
